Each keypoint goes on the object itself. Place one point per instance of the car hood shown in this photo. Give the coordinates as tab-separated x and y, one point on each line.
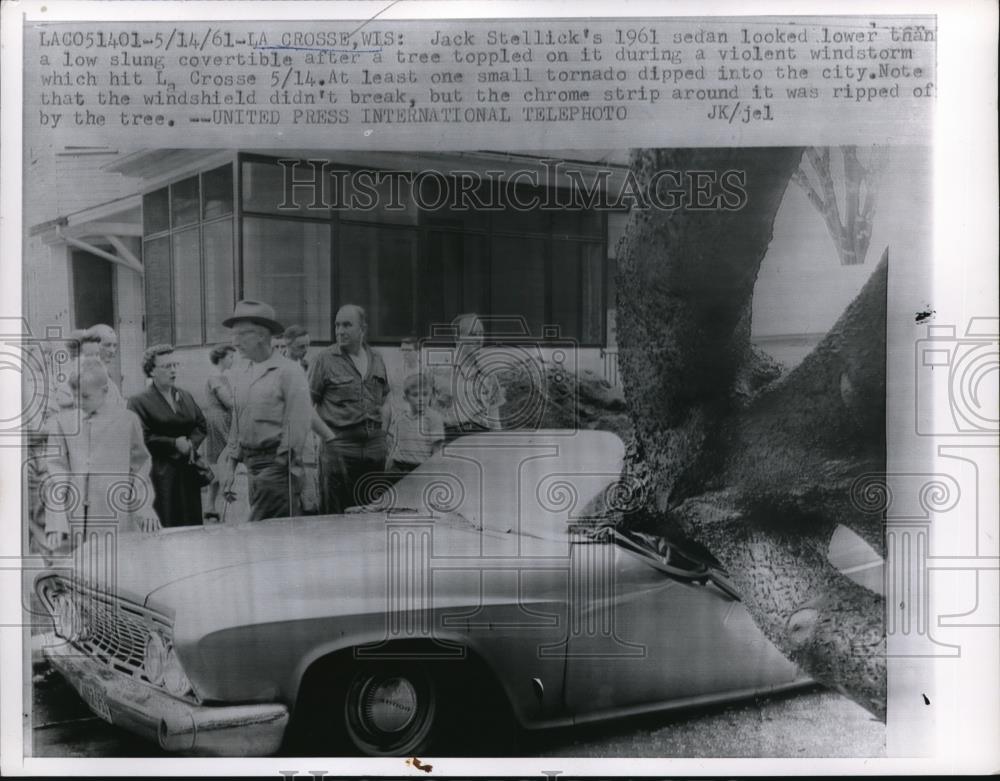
146	563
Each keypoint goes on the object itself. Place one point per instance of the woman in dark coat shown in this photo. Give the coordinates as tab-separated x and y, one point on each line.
174	426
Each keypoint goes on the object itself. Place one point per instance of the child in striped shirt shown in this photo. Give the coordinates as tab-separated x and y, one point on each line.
418	432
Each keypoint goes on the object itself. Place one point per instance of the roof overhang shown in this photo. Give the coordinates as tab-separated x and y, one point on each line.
160	166
108	224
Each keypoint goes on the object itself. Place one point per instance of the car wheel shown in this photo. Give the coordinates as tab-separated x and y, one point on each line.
390	709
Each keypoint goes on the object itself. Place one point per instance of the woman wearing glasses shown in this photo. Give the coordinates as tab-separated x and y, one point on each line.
173	426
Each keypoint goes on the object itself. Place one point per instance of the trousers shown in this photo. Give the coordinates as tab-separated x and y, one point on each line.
274	486
344	466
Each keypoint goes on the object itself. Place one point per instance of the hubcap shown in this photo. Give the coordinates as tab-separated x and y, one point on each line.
389	705
390	711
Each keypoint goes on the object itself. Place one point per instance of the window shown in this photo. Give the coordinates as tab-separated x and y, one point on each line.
517	280
413	265
267	189
186	286
159	309
155	212
617	222
577	300
455	278
378	270
184	208
287	264
516	218
188	259
217	244
371	198
217	187
543	266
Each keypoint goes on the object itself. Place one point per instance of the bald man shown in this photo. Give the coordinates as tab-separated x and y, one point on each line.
104	339
349	388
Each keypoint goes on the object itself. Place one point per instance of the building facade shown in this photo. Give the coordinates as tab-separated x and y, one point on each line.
309	231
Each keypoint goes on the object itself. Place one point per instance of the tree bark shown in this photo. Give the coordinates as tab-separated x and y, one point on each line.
760	472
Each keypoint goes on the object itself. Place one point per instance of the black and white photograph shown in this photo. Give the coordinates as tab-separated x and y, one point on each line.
397	395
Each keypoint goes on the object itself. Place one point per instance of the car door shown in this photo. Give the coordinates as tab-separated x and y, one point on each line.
643	637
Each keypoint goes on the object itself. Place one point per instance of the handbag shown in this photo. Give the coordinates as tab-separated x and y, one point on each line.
205	474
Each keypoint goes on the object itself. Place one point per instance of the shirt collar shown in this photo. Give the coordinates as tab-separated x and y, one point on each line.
273	361
336	350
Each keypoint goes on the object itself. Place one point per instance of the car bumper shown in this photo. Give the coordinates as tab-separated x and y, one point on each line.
177	726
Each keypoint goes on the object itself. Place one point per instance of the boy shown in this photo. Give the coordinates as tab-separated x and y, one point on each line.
98	450
418	432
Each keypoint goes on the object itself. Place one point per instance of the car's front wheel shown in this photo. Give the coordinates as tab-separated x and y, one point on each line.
390	709
398	707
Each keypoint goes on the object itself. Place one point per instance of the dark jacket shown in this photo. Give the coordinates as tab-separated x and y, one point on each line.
177	490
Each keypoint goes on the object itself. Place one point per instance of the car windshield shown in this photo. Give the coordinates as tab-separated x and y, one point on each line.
533	485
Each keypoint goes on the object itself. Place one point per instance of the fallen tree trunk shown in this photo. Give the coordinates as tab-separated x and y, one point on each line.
761	472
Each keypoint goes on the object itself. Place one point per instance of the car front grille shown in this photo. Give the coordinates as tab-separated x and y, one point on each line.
114	631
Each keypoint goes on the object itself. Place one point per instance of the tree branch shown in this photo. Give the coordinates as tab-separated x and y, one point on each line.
800	446
817	617
843	238
853	181
801	178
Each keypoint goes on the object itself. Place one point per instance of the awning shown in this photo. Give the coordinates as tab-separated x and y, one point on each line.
107	224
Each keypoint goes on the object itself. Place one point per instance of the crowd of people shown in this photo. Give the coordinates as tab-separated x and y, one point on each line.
307	432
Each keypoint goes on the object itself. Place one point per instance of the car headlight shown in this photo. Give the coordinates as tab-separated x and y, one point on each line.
154	659
67	617
174	679
163	668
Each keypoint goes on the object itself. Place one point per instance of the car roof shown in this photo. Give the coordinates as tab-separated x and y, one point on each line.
536	483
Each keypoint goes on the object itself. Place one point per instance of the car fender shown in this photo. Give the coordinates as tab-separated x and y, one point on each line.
529	703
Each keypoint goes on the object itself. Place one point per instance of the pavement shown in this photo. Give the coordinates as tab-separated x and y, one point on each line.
813	722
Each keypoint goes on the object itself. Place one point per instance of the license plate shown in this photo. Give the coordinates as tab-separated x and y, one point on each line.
96	701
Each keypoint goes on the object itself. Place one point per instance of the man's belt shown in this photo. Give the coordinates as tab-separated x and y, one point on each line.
367	426
248	450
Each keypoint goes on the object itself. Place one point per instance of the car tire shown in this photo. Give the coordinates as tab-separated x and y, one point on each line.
390	708
460	710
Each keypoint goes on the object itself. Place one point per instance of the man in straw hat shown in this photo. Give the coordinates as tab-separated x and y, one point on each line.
271	416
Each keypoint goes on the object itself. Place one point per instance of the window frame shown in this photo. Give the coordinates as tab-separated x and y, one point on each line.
199	224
